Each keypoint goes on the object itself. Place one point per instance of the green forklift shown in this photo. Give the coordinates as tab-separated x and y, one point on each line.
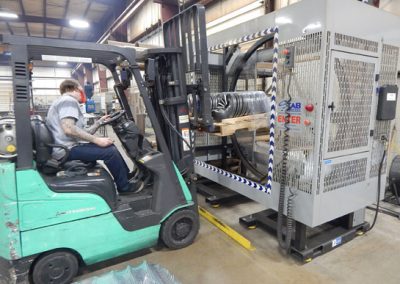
56	216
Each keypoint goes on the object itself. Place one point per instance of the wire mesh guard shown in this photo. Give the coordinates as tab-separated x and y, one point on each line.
352	93
356	43
344	174
304	88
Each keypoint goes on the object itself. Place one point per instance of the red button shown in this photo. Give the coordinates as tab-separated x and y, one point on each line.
309	107
307	122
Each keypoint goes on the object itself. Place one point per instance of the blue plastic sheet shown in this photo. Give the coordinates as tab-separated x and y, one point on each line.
144	273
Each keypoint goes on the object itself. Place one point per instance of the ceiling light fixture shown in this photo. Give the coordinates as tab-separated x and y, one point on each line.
8	14
80	24
62	63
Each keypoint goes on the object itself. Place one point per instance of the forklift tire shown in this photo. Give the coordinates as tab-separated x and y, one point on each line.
59	267
180	229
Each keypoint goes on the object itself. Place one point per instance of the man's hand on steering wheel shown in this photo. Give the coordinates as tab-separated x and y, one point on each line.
103	120
111	117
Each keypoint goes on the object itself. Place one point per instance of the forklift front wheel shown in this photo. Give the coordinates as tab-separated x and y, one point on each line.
180	229
55	267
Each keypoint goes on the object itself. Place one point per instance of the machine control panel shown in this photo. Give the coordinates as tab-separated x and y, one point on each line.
387	101
288	53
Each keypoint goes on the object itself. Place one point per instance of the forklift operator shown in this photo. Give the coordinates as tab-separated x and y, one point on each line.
65	121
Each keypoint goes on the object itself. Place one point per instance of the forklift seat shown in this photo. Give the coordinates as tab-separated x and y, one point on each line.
73	176
97	181
43	145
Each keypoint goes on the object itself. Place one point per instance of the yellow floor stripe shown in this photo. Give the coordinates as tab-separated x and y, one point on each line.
226	229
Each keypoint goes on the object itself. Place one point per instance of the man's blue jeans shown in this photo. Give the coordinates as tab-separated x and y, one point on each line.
90	152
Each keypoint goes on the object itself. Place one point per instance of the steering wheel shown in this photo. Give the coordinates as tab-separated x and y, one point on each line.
114	117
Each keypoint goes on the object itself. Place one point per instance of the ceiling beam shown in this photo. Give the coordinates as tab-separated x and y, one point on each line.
105	2
9	28
95	27
168	2
44	15
108	19
65	15
21	5
41	20
84	15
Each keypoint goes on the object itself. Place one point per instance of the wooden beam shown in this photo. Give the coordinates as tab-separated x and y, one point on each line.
269	6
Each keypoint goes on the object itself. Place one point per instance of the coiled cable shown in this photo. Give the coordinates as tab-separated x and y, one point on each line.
285	244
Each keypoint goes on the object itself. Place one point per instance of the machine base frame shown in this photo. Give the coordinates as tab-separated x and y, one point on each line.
308	243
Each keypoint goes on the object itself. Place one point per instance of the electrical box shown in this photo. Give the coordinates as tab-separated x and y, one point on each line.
387	102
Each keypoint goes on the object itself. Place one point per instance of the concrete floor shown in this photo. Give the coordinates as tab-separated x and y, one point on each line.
215	258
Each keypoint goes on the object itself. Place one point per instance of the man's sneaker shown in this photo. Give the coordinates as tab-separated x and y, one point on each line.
132	187
133	174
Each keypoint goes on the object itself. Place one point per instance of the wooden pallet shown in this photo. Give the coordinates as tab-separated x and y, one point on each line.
229	126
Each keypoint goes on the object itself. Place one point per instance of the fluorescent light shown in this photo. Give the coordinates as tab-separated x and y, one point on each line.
80	24
10	15
283	20
62	63
312	26
66	58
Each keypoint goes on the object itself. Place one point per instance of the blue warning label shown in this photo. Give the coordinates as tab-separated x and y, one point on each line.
336	242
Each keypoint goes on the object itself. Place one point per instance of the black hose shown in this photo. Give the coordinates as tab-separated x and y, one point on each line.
164	114
245	162
246	57
232	88
379	192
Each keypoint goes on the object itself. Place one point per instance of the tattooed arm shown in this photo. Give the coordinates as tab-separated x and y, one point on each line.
70	129
92	129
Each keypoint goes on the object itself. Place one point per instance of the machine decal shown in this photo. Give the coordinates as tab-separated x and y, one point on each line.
74	211
186	136
391	97
296	119
337	242
183	119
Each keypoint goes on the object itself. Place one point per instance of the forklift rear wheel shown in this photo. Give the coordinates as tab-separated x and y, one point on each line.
56	267
180	229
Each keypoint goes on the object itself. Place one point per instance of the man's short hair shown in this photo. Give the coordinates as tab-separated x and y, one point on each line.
69	85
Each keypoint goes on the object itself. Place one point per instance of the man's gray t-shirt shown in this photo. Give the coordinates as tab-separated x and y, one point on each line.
65	106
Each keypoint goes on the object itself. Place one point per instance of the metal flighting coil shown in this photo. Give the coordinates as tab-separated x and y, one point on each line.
237	104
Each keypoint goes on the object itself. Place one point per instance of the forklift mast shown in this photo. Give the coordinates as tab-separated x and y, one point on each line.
177	73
